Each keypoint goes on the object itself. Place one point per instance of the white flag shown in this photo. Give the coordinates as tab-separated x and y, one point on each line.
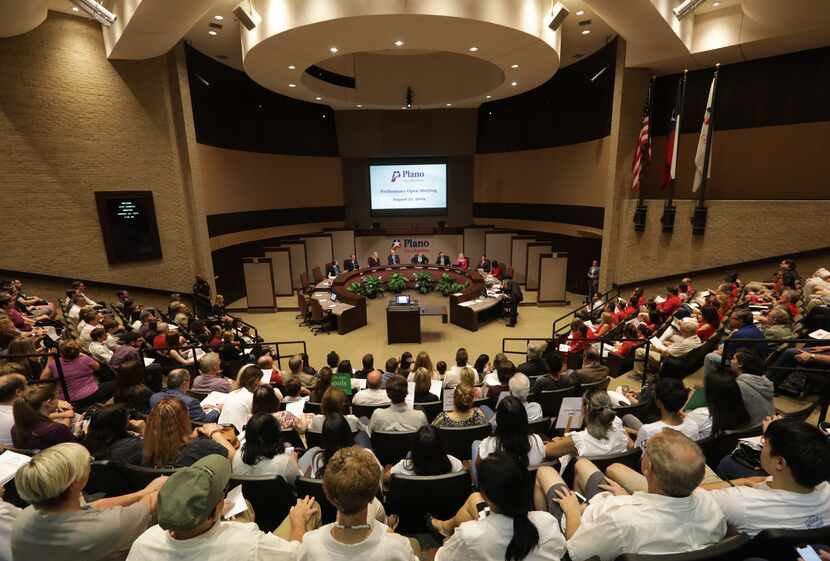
700	155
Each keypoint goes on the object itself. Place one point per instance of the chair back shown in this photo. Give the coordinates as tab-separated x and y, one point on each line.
540	427
314	488
682	366
780	544
311	407
631	458
411	497
643	411
304	279
292	438
717	447
727	550
317	274
391	447
106	477
270	497
460	440
361	411
551	401
316	310
602	384
618	365
199	396
431	409
138	477
300	299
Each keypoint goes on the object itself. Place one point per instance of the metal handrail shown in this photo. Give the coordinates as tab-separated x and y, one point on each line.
605	297
56	361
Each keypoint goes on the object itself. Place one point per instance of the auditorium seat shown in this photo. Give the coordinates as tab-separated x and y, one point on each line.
411	497
717	447
601	384
391	447
431	409
270	497
646	411
780	544
540	427
682	366
551	401
361	411
311	407
106	477
138	477
460	440
305	486
727	550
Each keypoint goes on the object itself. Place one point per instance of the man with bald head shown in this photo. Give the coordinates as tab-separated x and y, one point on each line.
373	394
12	386
662	512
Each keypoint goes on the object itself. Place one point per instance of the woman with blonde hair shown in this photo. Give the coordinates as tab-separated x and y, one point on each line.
468	377
238	405
423	383
463	413
423	360
170	442
606	324
603	434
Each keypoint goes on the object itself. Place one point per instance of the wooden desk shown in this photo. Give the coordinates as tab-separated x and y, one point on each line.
469	309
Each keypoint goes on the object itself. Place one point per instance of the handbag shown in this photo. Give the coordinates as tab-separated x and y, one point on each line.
747	456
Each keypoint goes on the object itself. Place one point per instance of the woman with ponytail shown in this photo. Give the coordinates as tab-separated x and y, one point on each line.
496	525
603	434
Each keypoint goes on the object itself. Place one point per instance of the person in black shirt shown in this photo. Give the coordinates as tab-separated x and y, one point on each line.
553	380
420	259
516	297
393	258
351	263
333	269
201	295
535	365
374	260
443	259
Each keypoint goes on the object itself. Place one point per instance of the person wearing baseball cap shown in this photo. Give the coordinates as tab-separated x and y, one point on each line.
190	506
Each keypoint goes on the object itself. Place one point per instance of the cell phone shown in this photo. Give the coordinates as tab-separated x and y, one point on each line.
580	497
807	553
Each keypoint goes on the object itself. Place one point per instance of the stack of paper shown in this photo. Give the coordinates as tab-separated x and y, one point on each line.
10	462
820	334
234	503
571	409
214	399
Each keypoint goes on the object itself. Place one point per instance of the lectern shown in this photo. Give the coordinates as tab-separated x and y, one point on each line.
403	322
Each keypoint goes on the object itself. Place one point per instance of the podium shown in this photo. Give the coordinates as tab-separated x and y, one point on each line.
403	322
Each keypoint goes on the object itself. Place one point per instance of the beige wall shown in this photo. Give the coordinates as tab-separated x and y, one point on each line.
566	175
72	123
238	181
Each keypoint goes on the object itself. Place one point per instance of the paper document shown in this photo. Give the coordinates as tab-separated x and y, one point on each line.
148	361
820	334
234	503
435	387
296	407
753	441
10	462
659	299
359	383
655	342
563	348
266	376
214	399
410	394
571	409
448	399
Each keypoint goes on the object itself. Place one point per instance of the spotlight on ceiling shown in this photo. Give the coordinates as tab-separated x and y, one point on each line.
488	96
514	66
247	15
318	98
75	8
449	105
292	85
686	7
580	12
332	49
586	31
291	67
557	16
473	49
399	43
218	18
212	32
514	84
358	105
96	11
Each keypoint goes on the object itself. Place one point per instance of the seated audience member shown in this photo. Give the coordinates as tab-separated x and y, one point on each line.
60	526
508	531
535	364
12	387
423	383
428	456
31	304
109	435
8	514
592	369
130	389
777	326
372	394
237	407
724	410
209	378
31	366
520	389
351	482
295	370
606	325
97	347
708	322
554	379
399	416
336	434
683	342
190	525
162	331
665	514
266	399
670	395
78	304
463	413
795	495
127	350
343	367
175	352
482	364
79	373
511	436
263	452
625	349
323	384
756	389
743	325
218	309
580	337
229	350
453	375
178	382
181	317
469	378
170	442
368	362
334	401
405	364
34	428
603	434
504	371
293	389
390	370
265	363
671	302
441	368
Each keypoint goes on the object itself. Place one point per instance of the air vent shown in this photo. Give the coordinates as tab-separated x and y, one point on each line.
585	23
215	25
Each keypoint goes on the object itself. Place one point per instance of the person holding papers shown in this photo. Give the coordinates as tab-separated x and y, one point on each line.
681	343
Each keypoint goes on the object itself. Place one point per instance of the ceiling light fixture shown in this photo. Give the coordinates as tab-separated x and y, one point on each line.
403	106
399	43
514	66
580	12
292	85
211	32
473	49
449	105
488	96
358	106
586	31
74	8
514	84
318	98
715	4
96	11
218	18
291	67
333	49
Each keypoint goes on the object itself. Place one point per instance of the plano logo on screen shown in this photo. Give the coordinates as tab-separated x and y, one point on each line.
408	242
406	174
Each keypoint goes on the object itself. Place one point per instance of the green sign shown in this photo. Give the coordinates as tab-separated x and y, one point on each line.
342	381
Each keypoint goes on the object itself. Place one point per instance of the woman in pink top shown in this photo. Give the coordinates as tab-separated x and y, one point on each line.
79	373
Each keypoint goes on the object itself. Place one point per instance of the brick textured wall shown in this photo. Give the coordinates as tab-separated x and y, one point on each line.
72	123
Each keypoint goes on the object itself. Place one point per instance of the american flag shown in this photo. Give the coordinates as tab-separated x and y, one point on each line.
642	155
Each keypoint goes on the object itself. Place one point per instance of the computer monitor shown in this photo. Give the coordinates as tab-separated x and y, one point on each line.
402	299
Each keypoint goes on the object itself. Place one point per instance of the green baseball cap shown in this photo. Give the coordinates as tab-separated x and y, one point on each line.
189	496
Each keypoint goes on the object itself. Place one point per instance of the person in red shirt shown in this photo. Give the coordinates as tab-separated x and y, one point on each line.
625	348
580	337
708	322
672	302
160	340
606	325
462	262
789	299
496	270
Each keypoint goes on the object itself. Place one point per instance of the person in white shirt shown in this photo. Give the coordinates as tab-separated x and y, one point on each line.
519	385
90	319
373	394
190	526
672	516
670	395
238	405
399	416
97	346
12	387
453	376
8	514
680	344
603	434
795	496
78	303
263	452
428	456
351	482
508	530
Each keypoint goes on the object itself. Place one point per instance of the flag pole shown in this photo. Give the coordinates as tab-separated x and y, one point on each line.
699	217
669	209
642	209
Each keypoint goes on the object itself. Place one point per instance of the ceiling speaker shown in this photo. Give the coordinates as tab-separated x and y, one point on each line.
558	15
247	15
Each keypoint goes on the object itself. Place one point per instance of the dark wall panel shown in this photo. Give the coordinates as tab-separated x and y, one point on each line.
231	222
590	216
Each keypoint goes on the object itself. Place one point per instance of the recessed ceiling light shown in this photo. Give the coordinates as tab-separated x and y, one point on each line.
399	43
488	96
514	66
514	84
318	98
403	107
74	8
358	105
449	105
586	31
211	32
333	49
292	85
218	18
473	49
291	67
580	12
715	4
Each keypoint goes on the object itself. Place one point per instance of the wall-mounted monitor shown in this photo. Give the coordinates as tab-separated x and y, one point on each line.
128	225
408	187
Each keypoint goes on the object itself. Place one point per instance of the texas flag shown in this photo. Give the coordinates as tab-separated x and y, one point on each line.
670	171
396	244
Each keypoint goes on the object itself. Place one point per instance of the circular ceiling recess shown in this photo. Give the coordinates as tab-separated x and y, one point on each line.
448	53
